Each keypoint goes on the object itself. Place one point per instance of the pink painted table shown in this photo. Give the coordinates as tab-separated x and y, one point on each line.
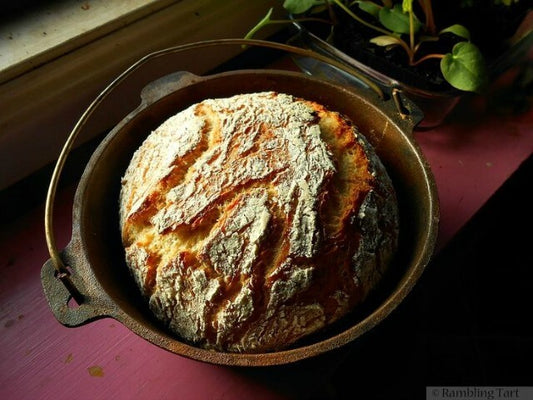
471	155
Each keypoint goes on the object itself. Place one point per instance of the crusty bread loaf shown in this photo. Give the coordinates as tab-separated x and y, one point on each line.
252	221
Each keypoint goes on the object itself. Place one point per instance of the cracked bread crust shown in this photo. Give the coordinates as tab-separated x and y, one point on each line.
252	221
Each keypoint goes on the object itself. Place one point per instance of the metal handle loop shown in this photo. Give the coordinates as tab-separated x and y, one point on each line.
63	272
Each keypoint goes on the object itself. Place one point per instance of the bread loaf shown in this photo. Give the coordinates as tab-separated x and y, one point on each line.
252	221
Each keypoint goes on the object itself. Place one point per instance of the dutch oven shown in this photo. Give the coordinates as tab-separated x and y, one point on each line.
91	269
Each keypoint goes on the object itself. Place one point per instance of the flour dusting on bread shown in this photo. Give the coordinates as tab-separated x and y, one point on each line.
252	221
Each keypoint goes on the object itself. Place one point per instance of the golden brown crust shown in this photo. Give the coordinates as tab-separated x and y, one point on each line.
253	221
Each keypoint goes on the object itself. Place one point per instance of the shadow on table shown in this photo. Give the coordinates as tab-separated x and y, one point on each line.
467	322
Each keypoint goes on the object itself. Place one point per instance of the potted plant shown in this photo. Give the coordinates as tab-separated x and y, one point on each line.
434	51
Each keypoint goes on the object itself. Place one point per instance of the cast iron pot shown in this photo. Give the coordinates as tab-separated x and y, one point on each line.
92	268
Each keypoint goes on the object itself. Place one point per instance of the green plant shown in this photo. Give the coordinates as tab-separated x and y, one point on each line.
400	24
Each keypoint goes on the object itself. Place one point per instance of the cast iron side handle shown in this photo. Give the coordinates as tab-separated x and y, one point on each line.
58	270
395	101
68	310
165	85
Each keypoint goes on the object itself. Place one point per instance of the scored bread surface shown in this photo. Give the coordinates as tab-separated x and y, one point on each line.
252	221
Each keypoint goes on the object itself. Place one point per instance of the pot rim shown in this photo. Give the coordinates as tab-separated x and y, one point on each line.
97	304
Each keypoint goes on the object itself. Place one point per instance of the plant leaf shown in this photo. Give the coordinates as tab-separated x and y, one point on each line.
385	40
396	20
464	68
369	7
457	30
317	9
299	6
